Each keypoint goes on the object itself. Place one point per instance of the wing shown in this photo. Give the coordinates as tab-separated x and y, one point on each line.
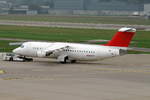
96	41
55	48
16	43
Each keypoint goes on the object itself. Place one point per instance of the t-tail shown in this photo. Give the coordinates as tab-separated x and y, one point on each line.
122	38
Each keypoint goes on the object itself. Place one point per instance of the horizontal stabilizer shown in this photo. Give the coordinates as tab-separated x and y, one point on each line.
139	49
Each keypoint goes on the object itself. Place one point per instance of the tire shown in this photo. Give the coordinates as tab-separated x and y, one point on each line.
73	61
11	59
65	60
28	59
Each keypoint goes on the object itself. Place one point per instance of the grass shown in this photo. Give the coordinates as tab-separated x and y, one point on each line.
4	46
80	19
142	38
54	34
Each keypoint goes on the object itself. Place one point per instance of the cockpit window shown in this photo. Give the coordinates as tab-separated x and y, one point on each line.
22	46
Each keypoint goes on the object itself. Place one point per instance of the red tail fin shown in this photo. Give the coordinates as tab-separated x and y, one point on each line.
122	38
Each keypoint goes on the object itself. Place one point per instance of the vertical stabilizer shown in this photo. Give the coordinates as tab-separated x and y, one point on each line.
122	38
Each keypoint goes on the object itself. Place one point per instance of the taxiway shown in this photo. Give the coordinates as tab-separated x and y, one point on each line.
120	78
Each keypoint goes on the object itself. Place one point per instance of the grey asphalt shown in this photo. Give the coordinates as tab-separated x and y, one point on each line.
71	25
120	78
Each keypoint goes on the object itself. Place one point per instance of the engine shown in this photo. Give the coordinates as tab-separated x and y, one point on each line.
122	52
41	54
117	52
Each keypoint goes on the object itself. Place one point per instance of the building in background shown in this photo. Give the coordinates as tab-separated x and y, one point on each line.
69	4
75	7
147	11
21	9
147	8
4	7
113	5
96	7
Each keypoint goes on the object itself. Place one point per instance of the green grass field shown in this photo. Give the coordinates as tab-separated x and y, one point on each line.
80	19
142	38
4	46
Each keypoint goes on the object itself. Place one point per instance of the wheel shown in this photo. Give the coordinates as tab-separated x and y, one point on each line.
11	59
73	61
28	59
65	60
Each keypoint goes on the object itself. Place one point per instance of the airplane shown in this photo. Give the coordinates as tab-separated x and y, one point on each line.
72	52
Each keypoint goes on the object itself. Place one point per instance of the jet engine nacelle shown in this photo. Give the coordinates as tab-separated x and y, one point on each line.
117	52
122	52
41	54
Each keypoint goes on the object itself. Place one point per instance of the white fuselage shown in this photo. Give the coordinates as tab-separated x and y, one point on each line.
75	51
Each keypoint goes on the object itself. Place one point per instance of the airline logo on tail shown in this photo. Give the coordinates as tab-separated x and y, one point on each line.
122	38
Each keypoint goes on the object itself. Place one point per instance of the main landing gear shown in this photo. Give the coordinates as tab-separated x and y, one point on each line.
65	59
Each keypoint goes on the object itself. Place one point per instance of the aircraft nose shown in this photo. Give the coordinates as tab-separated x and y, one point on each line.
16	51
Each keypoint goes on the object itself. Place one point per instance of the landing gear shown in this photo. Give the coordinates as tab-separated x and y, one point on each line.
65	59
73	61
11	59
